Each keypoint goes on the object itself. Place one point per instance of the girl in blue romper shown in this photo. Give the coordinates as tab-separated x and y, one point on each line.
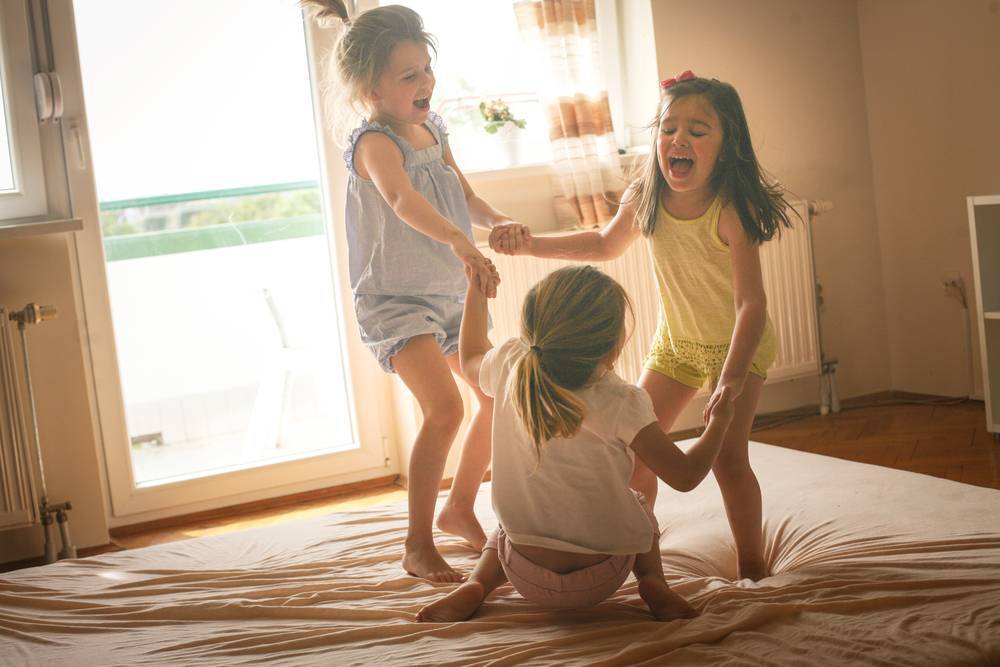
409	230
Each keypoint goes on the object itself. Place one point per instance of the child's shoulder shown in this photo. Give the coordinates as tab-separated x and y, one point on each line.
730	227
616	390
372	140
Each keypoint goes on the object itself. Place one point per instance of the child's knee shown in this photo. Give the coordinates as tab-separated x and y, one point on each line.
444	414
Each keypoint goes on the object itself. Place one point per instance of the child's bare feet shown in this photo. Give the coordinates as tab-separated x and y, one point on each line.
463	524
428	564
663	602
458	605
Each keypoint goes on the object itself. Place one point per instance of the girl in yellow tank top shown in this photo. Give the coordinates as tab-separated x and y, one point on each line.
705	206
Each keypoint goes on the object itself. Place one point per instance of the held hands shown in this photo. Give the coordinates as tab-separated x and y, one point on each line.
722	403
478	269
510	238
476	283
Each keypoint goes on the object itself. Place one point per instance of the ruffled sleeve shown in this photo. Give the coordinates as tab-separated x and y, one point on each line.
442	129
367	126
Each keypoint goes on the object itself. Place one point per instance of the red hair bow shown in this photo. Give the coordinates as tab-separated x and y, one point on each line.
686	75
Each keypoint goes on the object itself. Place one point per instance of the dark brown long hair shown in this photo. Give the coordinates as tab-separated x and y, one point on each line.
738	177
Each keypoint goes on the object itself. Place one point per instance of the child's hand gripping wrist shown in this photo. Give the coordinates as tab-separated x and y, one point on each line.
510	238
480	270
721	404
476	289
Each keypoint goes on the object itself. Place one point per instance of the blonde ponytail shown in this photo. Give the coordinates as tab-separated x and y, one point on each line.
572	321
547	409
327	9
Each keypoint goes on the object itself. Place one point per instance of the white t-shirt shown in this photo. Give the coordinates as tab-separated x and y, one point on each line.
576	496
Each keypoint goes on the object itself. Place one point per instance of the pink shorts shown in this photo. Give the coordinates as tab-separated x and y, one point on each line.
580	588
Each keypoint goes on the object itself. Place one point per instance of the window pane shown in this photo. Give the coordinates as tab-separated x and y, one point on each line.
219	272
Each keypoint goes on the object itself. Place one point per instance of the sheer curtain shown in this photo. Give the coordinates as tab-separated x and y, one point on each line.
589	180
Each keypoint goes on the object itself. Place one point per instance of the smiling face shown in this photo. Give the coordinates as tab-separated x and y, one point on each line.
402	94
688	144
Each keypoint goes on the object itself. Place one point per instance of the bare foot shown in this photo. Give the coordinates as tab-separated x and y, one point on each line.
663	602
428	564
753	572
464	524
458	605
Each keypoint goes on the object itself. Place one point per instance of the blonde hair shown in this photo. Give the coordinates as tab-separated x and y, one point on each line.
361	55
571	320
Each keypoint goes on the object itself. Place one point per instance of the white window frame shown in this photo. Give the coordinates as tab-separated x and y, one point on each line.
369	388
28	198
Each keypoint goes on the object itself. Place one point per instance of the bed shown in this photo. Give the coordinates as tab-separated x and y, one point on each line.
872	566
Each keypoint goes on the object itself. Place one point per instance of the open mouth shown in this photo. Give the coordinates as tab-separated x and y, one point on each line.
423	103
681	166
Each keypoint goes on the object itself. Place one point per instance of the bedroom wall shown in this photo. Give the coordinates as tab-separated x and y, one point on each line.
798	69
931	76
39	269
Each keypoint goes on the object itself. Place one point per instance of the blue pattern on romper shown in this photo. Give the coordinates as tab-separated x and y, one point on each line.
386	255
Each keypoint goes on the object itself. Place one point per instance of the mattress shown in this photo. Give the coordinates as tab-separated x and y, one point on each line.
870	566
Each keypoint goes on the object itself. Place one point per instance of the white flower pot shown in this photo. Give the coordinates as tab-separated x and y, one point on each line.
509	136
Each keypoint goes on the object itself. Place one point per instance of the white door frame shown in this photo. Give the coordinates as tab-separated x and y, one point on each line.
369	389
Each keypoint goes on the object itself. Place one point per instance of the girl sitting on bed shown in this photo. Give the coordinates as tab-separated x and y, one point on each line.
705	207
566	430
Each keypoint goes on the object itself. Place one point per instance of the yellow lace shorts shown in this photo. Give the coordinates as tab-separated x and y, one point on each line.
694	363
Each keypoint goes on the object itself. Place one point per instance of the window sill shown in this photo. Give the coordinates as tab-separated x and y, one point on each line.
10	229
536	169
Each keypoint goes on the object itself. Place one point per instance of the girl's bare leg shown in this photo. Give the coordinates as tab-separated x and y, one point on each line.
457	516
664	604
669	397
463	602
739	486
423	369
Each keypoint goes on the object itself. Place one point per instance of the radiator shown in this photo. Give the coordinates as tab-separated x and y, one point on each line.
789	281
18	499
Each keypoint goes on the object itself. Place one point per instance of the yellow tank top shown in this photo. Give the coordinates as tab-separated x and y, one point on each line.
695	277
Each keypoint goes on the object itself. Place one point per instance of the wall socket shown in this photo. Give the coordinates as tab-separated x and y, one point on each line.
954	286
951	277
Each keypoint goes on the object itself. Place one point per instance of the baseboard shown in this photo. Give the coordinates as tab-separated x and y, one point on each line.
255	506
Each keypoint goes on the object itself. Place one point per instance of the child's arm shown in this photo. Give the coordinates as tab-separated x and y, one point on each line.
483	215
473	343
603	245
683	470
379	158
751	309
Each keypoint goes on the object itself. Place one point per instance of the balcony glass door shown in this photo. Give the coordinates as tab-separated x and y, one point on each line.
222	288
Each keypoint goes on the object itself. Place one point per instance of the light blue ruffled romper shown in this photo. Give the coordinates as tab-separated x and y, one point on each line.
405	283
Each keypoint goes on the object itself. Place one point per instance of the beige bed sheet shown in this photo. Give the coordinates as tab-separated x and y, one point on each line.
871	567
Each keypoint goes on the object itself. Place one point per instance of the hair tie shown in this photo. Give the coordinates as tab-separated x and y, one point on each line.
535	348
686	75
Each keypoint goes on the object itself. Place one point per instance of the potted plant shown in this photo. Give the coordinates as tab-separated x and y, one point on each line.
497	114
499	118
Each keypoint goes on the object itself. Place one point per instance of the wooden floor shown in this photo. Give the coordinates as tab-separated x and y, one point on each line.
943	440
949	441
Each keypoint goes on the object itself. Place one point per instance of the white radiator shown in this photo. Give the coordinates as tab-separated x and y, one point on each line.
18	501
789	281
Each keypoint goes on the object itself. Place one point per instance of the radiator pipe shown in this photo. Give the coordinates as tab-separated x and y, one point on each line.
34	314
